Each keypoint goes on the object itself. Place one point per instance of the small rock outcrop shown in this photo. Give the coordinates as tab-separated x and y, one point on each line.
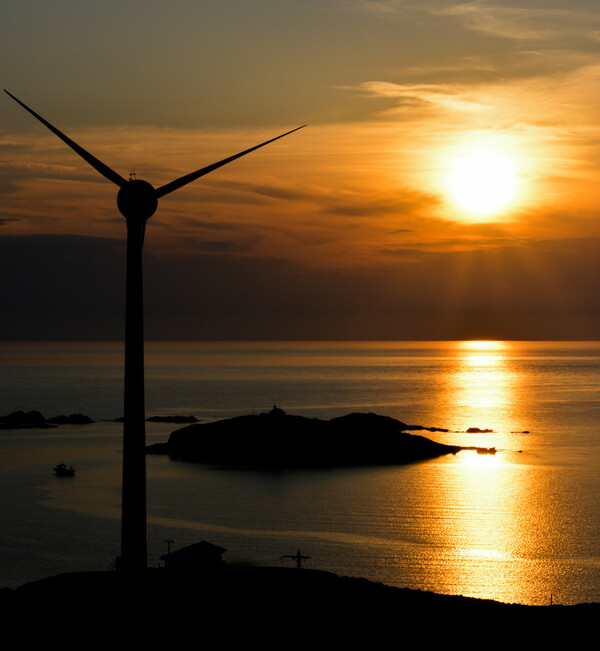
73	419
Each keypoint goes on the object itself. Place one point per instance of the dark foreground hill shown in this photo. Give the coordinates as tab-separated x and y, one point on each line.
278	608
278	440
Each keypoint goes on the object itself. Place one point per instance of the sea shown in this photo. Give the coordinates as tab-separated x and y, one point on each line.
518	526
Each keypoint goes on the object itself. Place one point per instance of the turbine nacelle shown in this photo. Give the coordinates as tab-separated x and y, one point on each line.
137	200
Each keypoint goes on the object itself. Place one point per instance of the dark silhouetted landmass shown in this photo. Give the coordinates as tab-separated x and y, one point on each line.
73	419
24	419
278	440
276	607
34	419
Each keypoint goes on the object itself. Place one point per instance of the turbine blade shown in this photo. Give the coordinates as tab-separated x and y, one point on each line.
188	178
99	166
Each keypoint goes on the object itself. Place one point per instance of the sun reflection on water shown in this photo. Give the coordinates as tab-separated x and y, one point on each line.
482	491
483	536
483	386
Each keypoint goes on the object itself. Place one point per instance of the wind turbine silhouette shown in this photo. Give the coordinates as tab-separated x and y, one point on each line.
137	201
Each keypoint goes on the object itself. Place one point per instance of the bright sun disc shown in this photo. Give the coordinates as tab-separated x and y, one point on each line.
482	183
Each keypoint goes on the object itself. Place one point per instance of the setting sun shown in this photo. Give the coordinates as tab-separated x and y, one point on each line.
482	182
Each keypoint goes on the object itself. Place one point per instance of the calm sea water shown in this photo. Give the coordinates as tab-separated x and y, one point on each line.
519	526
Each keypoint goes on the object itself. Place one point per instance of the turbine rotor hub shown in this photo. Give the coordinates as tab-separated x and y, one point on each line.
137	200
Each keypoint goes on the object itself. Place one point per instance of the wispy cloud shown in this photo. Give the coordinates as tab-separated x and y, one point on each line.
444	96
520	23
550	101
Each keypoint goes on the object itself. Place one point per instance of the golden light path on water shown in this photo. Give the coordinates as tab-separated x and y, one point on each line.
483	381
482	535
500	524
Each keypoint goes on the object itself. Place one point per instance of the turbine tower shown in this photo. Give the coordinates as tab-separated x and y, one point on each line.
137	201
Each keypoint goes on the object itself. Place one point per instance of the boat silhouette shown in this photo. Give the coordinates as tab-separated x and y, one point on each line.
62	470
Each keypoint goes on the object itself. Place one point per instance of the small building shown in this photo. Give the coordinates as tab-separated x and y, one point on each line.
194	560
276	412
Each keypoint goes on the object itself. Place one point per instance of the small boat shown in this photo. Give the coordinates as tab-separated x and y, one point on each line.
486	450
62	470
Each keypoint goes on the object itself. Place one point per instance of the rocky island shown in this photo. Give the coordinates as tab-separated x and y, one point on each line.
279	440
35	420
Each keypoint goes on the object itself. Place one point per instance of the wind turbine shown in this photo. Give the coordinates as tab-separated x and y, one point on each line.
137	201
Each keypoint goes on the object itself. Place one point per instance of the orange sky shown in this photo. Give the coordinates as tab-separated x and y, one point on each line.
396	94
